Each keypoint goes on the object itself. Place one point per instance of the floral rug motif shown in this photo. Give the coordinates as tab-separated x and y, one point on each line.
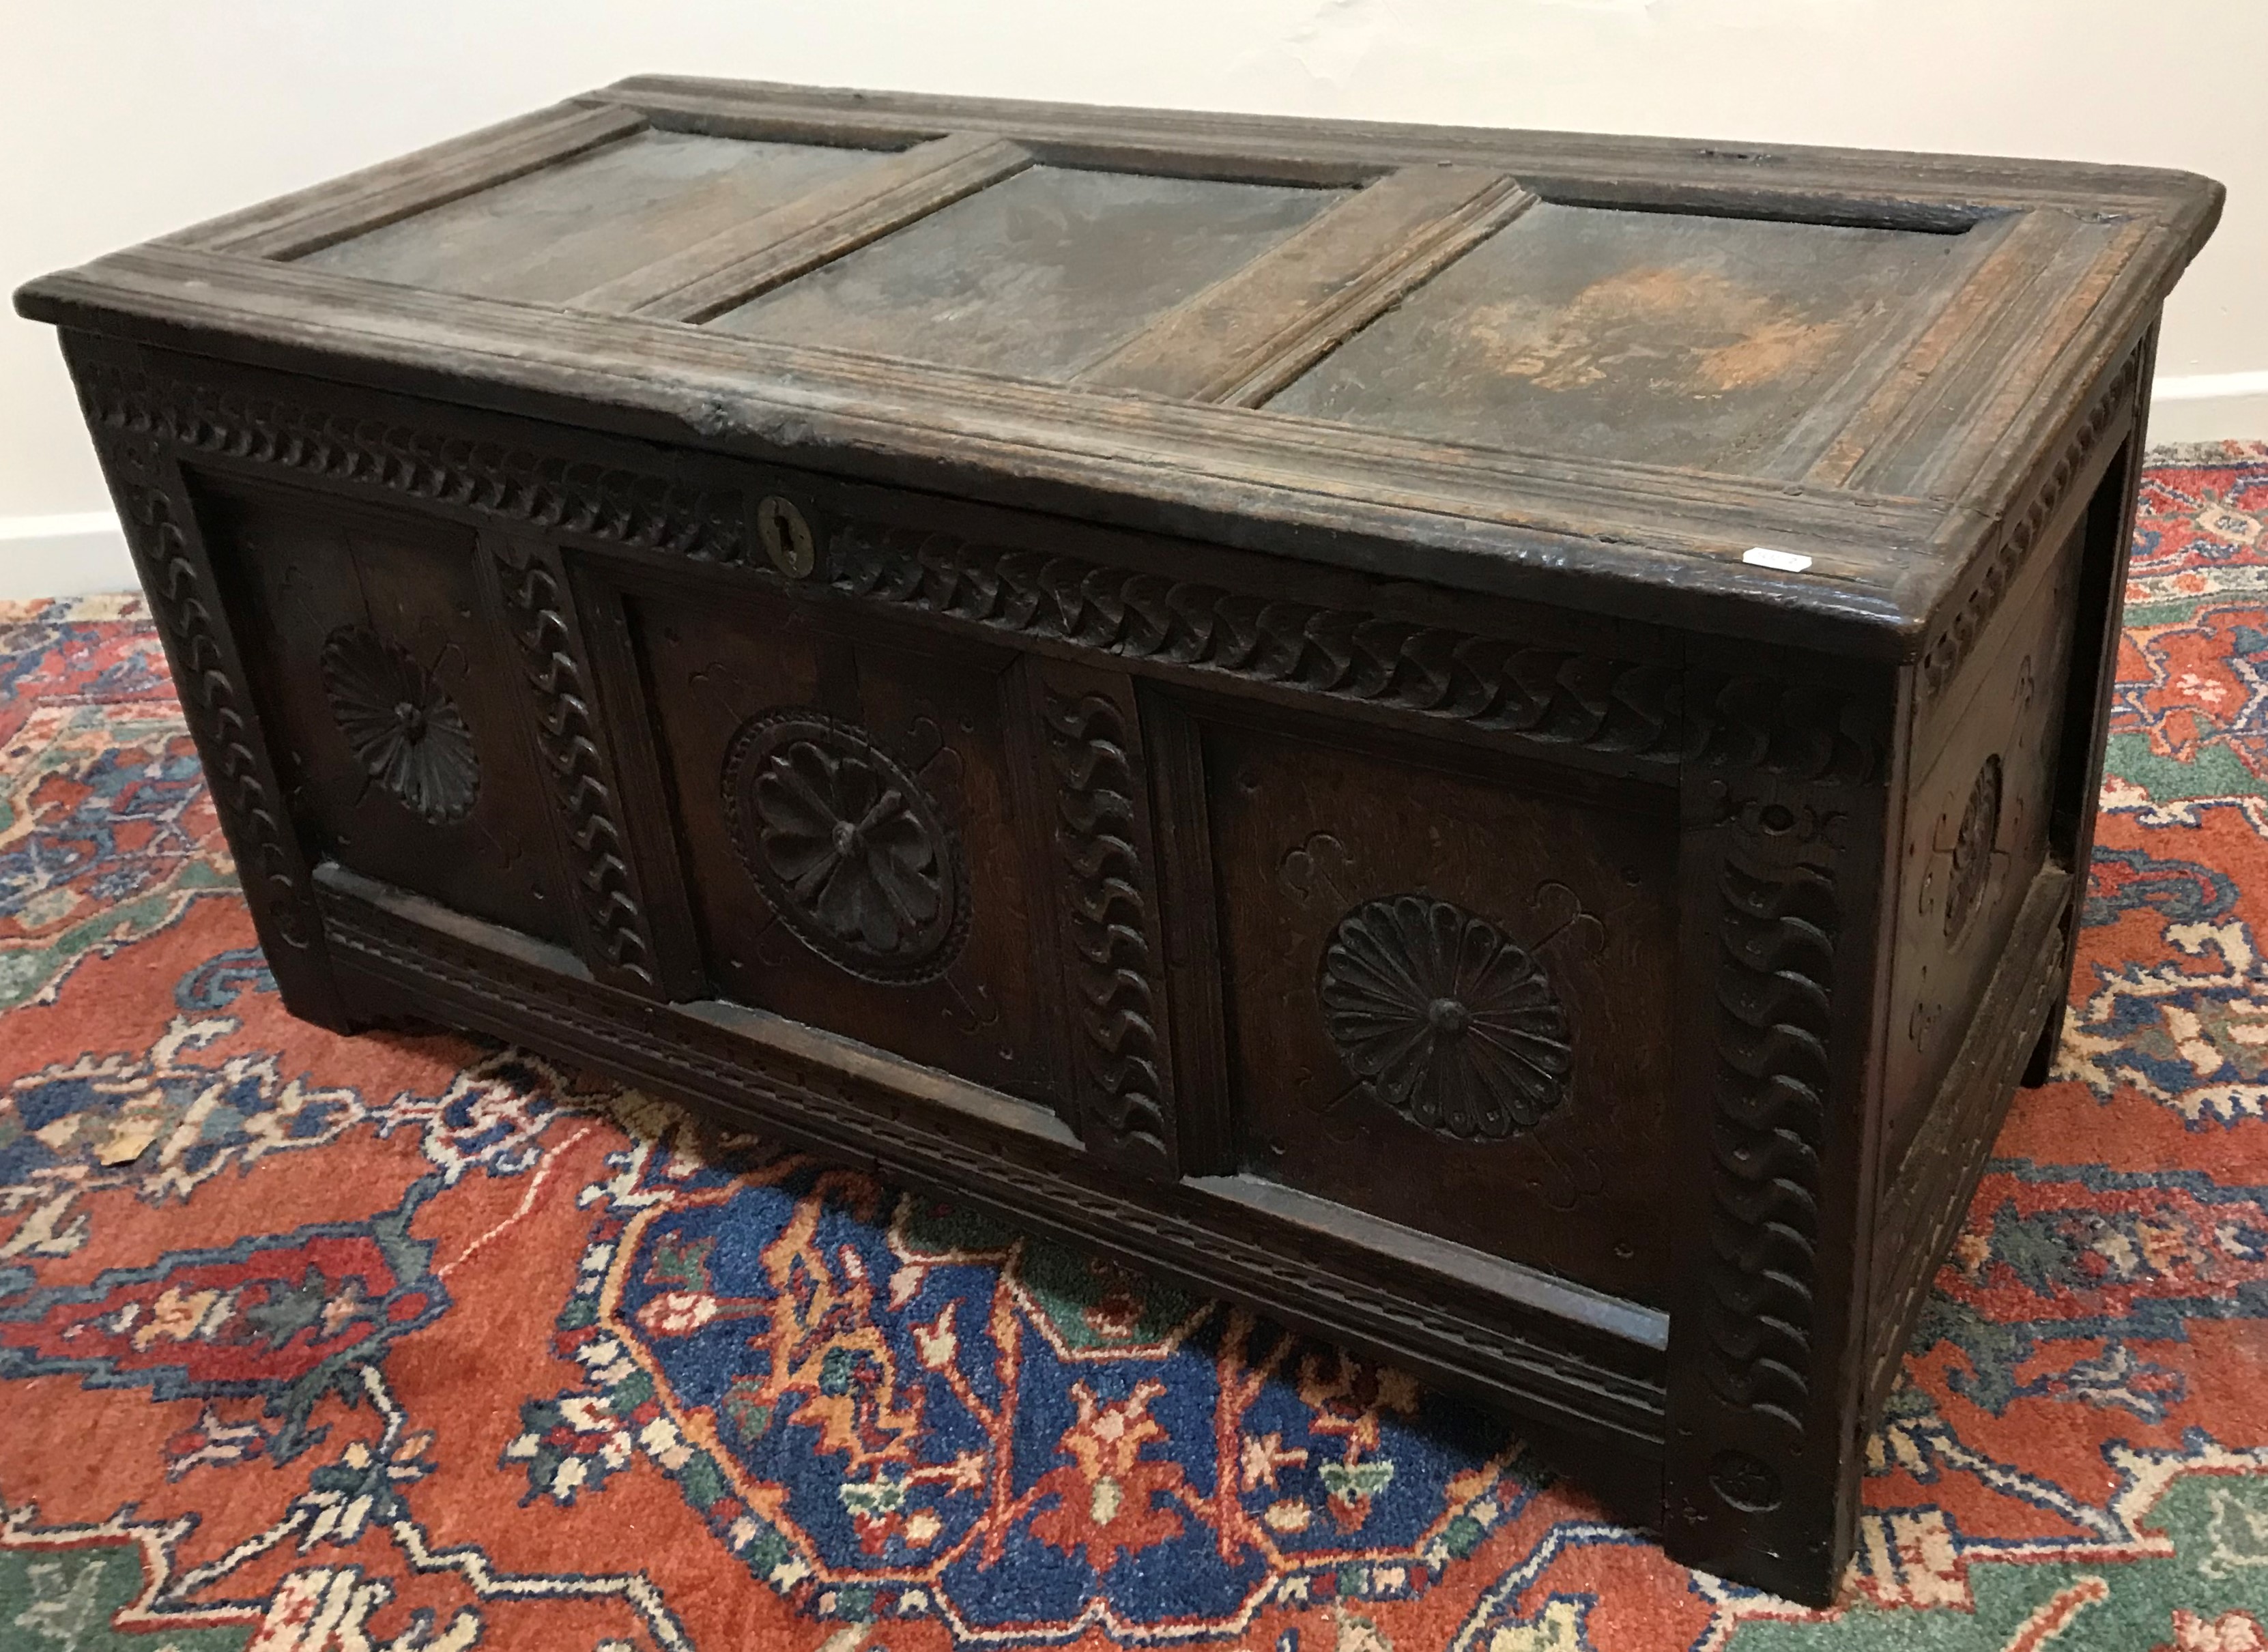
397	1344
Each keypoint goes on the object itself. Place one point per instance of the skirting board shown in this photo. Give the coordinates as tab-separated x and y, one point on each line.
71	555
2210	406
63	556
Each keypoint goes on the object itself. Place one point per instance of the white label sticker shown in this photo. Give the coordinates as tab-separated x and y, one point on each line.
1764	556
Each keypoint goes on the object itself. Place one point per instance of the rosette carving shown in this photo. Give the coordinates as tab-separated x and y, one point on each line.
1444	1019
852	852
402	727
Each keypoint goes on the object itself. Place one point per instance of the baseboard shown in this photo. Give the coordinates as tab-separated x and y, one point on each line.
2210	406
63	556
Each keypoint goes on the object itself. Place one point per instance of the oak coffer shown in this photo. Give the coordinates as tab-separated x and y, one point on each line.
1484	739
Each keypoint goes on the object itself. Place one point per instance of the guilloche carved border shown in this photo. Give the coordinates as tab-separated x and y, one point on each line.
1773	879
516	481
243	792
1652	710
530	590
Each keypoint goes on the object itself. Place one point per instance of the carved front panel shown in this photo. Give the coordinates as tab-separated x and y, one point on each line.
401	737
845	801
1448	996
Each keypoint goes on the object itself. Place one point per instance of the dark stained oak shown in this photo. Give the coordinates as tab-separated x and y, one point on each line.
1204	684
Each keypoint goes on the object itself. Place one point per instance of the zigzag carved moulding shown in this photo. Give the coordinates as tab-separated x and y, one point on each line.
567	736
1649	709
514	482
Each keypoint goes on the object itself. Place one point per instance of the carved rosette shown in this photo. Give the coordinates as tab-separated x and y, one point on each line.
402	727
1444	1019
851	850
1973	848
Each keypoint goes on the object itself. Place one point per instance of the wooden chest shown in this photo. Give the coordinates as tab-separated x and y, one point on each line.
1483	740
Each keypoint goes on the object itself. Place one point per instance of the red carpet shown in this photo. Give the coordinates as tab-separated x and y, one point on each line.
410	1343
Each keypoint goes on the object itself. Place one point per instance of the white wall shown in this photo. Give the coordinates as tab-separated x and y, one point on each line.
122	118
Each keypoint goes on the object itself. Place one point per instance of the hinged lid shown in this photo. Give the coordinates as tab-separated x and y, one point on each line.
1598	371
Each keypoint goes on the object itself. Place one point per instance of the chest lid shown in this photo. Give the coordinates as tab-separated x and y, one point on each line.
1597	371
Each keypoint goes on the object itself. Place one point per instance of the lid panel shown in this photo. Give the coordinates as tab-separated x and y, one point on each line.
1038	276
554	234
1655	337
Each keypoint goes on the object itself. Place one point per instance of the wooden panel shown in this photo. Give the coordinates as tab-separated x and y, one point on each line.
849	814
552	234
911	1124
1976	834
744	260
1036	276
1798	178
400	725
1553	900
1631	336
298	223
1926	1189
1249	336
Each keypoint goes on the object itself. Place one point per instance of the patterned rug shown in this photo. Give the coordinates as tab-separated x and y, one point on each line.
319	1345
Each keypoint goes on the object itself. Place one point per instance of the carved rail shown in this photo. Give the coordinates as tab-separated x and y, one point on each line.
1657	711
1647	710
517	482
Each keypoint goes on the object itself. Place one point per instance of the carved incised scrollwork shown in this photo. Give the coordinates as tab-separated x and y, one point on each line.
853	854
1652	710
400	725
1441	1017
1107	919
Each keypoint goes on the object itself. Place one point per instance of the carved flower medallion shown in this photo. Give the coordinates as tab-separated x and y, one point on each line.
847	845
402	727
1444	1019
